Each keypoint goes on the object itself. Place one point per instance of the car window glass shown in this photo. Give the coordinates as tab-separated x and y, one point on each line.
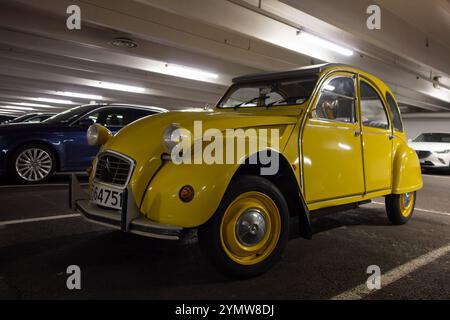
395	113
140	113
33	120
373	113
93	116
276	93
114	117
337	101
243	97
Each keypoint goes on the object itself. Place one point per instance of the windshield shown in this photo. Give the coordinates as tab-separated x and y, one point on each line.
274	93
70	115
433	137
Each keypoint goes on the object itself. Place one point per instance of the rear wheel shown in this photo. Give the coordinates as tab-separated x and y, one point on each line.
249	232
400	207
32	164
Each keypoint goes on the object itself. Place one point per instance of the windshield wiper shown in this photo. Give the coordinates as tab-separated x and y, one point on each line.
285	100
246	102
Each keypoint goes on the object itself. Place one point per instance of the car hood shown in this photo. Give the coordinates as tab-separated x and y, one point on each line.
429	146
142	140
148	132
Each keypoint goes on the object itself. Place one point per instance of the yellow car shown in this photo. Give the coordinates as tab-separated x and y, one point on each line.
278	146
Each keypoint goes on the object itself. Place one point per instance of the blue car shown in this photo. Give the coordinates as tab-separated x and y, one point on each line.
33	152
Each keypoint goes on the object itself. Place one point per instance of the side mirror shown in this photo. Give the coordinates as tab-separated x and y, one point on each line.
85	123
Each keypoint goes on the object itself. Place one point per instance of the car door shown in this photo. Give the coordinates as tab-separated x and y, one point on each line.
79	153
377	138
331	143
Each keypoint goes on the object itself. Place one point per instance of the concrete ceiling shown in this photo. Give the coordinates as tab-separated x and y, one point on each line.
40	57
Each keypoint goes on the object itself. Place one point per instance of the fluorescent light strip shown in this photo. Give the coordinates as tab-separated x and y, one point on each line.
26	104
18	108
120	87
9	111
190	73
59	101
307	37
79	95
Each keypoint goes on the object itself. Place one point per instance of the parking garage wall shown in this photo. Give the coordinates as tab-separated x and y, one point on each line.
415	126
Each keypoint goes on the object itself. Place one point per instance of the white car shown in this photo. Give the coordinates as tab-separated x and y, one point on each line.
433	149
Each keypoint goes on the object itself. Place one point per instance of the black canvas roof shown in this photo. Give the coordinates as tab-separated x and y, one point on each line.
300	72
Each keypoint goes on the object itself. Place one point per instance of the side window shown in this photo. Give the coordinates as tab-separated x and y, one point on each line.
140	113
395	113
373	113
337	101
114	117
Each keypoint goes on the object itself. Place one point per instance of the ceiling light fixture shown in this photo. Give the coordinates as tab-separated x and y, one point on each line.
59	101
309	38
18	108
26	104
9	111
79	95
190	73
120	87
123	42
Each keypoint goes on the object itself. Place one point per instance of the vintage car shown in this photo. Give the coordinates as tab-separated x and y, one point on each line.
339	143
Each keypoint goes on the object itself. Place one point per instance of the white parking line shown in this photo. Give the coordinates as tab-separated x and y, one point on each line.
395	274
63	216
418	209
39	185
435	176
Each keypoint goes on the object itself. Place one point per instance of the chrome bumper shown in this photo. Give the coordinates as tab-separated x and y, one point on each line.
129	219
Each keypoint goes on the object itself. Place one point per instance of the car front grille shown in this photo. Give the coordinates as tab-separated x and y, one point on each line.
423	154
113	169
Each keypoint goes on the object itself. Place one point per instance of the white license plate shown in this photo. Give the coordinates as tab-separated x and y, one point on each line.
107	197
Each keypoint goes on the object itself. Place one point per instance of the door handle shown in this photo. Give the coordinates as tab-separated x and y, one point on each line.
391	136
358	133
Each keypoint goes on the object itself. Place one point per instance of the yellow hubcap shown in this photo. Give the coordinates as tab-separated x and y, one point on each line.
250	228
406	203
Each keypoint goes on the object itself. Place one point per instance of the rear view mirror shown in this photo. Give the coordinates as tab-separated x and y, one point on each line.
85	123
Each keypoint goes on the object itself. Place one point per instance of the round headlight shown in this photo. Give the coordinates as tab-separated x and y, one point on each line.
97	135
92	135
172	136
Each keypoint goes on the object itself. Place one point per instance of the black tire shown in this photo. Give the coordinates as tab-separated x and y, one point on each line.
50	164
209	235
395	213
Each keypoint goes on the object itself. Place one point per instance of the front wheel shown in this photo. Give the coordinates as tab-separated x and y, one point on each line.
249	231
400	207
32	164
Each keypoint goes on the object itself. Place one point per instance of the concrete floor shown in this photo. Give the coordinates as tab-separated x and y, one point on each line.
34	255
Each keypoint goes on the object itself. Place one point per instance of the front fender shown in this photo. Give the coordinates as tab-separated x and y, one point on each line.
407	175
161	202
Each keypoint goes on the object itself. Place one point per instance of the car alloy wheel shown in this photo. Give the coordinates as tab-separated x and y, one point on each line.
33	164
